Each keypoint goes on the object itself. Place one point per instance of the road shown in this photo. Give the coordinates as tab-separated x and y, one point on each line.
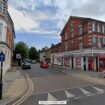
51	85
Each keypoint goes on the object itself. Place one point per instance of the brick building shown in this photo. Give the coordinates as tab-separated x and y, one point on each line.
7	35
83	44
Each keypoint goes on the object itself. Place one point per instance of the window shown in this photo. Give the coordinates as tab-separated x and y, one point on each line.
99	42
1	25
89	27
72	44
72	33
66	46
65	35
95	41
98	27
103	28
94	26
1	7
80	29
80	43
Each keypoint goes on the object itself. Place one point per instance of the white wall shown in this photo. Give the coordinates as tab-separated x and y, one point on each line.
7	62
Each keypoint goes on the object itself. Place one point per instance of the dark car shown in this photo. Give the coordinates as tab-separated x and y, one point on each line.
26	65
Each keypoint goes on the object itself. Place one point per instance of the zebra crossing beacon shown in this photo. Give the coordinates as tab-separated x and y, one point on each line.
2	59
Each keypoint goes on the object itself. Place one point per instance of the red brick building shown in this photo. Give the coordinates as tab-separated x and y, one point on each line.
83	44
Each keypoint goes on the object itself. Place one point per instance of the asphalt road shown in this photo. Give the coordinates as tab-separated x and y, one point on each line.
51	85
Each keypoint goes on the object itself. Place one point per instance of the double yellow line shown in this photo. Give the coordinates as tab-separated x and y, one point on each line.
29	92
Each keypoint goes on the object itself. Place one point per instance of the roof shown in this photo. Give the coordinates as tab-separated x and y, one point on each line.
81	18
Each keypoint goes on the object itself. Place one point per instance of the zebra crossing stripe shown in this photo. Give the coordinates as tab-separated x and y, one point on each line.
99	90
51	98
85	92
68	95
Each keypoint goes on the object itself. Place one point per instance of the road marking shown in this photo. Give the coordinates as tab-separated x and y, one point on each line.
98	89
69	95
77	98
85	92
51	98
25	96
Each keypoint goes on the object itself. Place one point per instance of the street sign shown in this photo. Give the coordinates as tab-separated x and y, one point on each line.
18	56
2	57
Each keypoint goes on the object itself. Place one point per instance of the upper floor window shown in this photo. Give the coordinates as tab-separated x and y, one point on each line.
66	46
98	27
103	28
1	7
94	41
72	33
94	26
99	42
80	29
80	43
65	35
89	27
1	25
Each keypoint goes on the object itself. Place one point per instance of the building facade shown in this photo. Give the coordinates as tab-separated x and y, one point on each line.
83	44
7	35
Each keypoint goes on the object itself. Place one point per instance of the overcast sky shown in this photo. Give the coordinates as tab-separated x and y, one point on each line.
39	22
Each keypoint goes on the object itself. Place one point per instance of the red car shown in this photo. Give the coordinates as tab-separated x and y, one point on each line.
44	65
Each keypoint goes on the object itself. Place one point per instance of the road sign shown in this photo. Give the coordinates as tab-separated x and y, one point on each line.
2	57
18	56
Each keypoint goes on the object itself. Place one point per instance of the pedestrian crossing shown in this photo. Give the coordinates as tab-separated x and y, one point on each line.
70	95
75	93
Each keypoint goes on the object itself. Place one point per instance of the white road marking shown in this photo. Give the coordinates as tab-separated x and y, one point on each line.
85	92
77	98
51	98
98	89
69	95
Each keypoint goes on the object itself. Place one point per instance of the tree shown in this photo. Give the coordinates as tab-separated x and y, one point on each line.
33	53
21	48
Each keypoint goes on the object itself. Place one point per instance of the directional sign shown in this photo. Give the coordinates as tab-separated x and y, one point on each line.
2	57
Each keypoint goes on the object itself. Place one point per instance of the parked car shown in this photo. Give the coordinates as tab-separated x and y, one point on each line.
44	65
26	65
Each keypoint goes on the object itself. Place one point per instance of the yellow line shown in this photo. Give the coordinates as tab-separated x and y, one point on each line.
31	88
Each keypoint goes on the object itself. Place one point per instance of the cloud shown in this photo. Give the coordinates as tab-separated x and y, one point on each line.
21	21
29	16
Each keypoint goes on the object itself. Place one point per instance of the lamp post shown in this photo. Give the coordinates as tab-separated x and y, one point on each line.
2	59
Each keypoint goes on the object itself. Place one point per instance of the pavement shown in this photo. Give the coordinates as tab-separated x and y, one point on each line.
90	76
13	85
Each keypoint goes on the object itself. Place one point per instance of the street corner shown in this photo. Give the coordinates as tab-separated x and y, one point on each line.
16	89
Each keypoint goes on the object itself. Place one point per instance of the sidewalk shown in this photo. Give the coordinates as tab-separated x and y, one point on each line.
91	76
13	85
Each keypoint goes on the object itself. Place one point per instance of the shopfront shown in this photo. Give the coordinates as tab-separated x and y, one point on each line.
101	63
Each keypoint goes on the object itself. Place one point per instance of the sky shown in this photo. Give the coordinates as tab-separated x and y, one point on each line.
39	22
